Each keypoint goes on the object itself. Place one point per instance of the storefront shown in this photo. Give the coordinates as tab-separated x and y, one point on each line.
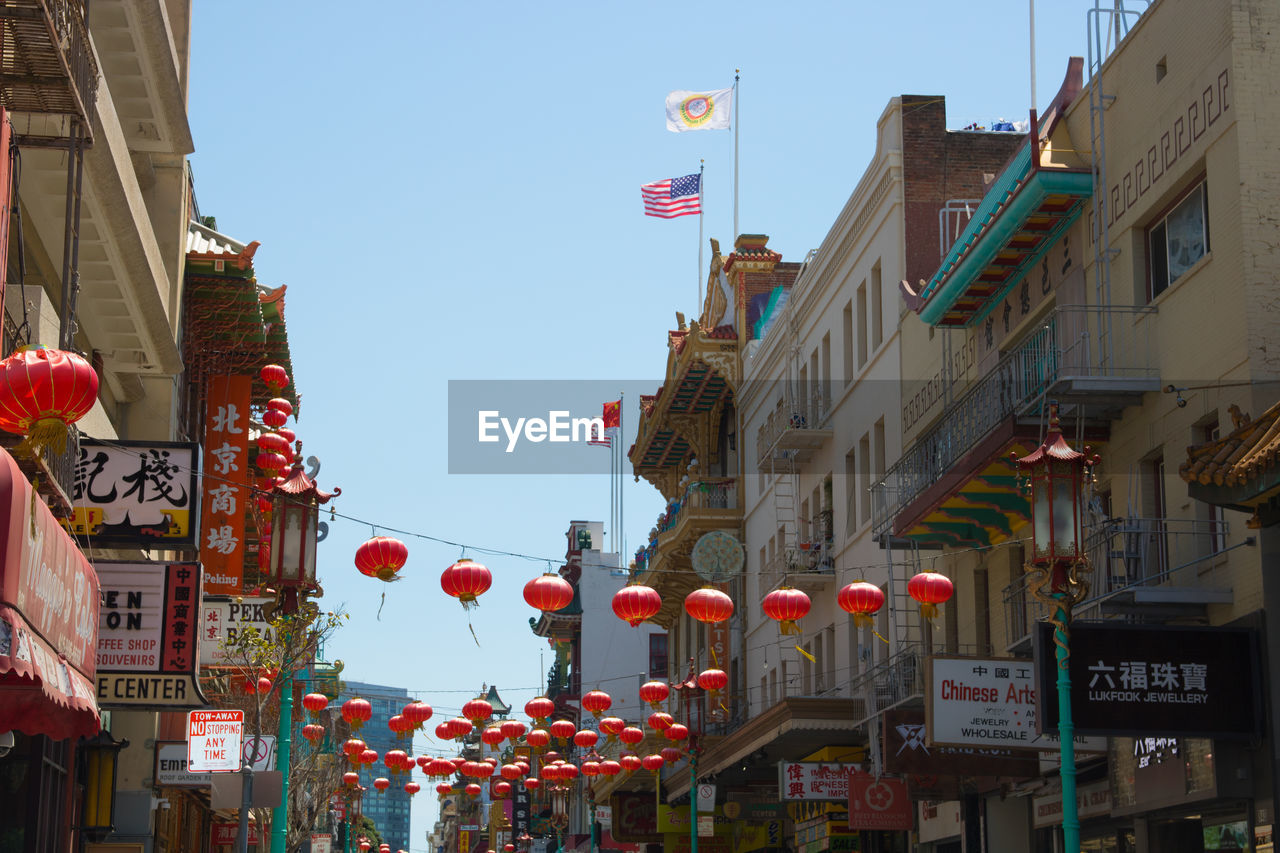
49	598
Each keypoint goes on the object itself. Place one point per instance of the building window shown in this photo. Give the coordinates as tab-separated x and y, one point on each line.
1178	240
657	655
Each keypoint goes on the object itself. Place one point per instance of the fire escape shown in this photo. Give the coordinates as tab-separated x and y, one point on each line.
49	88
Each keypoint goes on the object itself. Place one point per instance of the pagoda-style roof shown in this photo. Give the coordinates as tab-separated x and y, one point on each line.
1032	202
233	325
1241	470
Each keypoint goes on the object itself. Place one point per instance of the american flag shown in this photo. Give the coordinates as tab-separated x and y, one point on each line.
673	197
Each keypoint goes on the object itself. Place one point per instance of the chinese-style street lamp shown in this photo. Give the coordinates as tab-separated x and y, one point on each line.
693	697
1059	570
295	516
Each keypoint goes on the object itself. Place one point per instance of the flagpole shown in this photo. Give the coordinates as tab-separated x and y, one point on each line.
621	478
702	199
737	114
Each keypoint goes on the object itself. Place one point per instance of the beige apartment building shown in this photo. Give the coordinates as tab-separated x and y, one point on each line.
1121	265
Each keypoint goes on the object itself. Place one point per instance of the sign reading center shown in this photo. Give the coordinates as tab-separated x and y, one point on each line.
213	740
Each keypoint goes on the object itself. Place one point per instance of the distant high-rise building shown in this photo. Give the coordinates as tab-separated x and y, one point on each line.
389	810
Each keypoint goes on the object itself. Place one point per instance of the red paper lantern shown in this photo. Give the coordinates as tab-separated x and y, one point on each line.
660	721
630	762
423	761
264	685
708	605
552	757
42	392
352	747
350	779
274	377
597	702
539	708
538	738
510	771
484	769
444	731
631	735
460	727
513	730
501	789
477	711
315	703
412	788
274	418
635	603
609	767
381	557
654	692
590	768
280	404
670	754
417	713
270	462
676	731
549	772
473	790
396	759
356	712
398	724
270	442
652	762
861	599
586	739
444	789
493	736
532	784
930	589
611	726
568	772
785	605
713	679
369	756
548	592
562	730
313	732
465	580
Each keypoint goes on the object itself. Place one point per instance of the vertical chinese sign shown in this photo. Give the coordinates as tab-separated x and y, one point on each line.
225	487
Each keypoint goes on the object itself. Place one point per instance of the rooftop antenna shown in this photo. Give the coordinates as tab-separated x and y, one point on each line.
1032	41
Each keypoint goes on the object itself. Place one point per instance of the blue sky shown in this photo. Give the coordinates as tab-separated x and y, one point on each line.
451	192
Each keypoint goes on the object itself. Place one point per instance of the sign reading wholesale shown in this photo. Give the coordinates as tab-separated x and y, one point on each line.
1156	680
147	637
989	702
213	740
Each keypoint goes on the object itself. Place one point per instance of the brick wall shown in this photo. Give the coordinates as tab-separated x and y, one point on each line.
938	165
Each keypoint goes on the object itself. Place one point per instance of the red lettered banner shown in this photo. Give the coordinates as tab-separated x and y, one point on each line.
225	483
883	803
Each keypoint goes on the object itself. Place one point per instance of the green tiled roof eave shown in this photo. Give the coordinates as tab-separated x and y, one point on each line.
947	288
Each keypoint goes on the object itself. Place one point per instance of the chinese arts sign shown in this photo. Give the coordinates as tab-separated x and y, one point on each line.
977	702
225	485
135	494
799	780
1146	681
148	635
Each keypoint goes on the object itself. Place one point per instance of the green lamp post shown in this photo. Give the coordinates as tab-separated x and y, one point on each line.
1059	569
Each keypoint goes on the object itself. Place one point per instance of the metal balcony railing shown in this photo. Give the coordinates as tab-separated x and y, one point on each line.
1109	350
804	409
1125	553
893	682
717	493
47	64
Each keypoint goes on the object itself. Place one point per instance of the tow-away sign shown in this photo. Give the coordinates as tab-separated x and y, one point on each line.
213	740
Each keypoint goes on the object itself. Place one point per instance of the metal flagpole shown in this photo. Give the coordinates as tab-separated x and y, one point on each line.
622	480
737	114
702	197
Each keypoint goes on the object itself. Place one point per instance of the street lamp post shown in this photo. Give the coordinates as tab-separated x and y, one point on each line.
295	510
1059	568
692	696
